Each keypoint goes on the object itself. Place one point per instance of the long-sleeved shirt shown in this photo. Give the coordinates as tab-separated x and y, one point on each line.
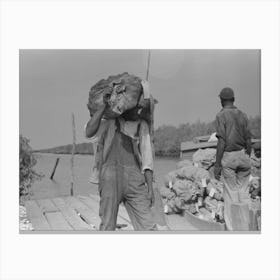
232	126
138	131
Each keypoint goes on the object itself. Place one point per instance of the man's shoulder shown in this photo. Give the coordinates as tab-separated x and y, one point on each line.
226	111
242	114
220	114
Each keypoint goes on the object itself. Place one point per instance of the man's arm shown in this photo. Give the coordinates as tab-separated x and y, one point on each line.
221	134
94	122
219	156
147	158
149	181
248	146
248	137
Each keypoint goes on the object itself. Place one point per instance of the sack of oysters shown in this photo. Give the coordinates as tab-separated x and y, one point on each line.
123	94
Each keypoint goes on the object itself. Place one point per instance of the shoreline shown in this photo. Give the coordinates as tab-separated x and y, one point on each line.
87	154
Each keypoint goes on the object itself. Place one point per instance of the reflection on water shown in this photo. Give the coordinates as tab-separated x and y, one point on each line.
60	185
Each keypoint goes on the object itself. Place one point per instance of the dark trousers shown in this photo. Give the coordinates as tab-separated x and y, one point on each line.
119	183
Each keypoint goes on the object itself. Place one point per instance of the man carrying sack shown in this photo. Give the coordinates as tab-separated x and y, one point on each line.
233	161
125	163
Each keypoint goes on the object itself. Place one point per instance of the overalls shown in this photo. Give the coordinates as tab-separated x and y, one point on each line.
122	181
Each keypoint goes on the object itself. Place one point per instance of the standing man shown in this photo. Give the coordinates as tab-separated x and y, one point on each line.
126	168
233	153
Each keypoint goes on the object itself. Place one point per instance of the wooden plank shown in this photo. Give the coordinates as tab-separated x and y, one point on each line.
123	218
84	211
240	216
35	216
201	224
70	215
57	221
72	155
92	204
54	168
179	222
46	205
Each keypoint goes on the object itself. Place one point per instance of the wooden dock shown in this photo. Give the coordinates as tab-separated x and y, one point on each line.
80	213
70	213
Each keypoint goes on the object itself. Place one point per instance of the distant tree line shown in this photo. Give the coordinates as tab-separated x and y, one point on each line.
82	148
168	138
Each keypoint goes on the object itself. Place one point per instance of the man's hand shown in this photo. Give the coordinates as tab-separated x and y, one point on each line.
217	171
94	122
149	181
107	95
151	195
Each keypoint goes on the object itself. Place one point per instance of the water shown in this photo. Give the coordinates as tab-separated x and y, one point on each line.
60	185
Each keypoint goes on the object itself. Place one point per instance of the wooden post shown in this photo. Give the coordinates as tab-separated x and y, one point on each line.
72	156
152	107
148	65
157	210
54	168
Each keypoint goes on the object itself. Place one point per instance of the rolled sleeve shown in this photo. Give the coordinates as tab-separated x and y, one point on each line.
146	147
96	136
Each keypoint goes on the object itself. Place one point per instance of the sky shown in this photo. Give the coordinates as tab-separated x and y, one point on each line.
56	83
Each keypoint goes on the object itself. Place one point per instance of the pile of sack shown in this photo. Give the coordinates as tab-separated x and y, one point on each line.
123	93
255	165
255	178
204	158
255	187
256	159
191	187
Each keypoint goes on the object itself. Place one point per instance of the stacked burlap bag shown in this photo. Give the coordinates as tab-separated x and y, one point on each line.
191	188
123	94
204	158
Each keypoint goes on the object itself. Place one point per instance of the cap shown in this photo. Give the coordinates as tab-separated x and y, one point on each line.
226	93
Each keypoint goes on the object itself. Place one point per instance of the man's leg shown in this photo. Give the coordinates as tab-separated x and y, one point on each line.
230	192
236	171
109	197
243	172
136	201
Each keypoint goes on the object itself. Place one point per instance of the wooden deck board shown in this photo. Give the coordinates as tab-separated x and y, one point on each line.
82	213
178	222
70	215
157	211
123	218
93	205
57	221
85	212
46	205
35	216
